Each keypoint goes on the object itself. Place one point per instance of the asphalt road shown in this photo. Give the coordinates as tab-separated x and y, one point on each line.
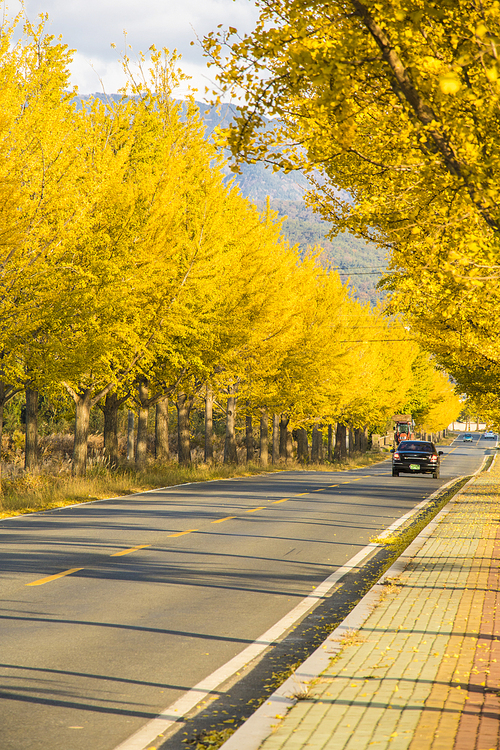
111	611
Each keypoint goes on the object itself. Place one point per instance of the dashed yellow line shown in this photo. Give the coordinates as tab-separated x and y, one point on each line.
128	551
54	577
47	579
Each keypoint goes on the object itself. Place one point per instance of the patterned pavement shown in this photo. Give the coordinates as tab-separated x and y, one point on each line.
423	672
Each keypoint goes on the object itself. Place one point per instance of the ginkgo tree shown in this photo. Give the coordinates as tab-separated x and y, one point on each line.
146	251
444	405
39	197
396	103
244	308
382	353
131	266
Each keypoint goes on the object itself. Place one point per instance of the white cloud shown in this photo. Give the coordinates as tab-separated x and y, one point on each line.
91	26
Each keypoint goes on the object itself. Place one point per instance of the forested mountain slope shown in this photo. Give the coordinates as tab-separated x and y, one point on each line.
362	262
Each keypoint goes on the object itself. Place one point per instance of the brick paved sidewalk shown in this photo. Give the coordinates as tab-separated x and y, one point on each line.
423	672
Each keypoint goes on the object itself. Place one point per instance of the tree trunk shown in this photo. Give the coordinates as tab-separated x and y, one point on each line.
329	455
340	450
264	439
315	451
284	420
249	437
6	393
130	436
276	425
110	408
351	441
184	405
31	445
289	447
162	449
209	425
357	439
142	425
364	439
1	435
83	402
302	445
230	454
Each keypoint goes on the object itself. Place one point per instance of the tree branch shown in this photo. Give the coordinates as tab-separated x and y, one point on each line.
423	111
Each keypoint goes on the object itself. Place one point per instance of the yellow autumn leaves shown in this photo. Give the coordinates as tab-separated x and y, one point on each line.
127	261
397	106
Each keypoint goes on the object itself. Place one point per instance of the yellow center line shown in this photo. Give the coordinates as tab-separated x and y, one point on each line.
47	579
347	482
41	581
128	551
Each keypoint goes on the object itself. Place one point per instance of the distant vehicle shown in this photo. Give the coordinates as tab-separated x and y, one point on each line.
416	457
488	435
467	438
403	427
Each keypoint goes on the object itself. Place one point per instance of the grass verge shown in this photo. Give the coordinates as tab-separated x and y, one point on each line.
487	463
404	536
34	492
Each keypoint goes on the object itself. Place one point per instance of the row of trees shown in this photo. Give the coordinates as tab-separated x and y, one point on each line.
132	273
392	107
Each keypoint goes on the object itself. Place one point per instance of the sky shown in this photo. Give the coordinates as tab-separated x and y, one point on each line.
91	26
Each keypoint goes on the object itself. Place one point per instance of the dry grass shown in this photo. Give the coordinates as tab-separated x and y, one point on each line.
31	492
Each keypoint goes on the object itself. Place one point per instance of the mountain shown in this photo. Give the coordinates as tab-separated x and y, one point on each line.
360	262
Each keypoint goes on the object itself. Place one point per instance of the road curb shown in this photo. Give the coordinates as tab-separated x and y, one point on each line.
261	724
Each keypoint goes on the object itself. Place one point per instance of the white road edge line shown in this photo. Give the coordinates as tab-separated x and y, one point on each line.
261	724
176	711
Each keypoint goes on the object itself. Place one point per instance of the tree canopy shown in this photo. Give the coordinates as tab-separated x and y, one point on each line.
392	110
131	267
